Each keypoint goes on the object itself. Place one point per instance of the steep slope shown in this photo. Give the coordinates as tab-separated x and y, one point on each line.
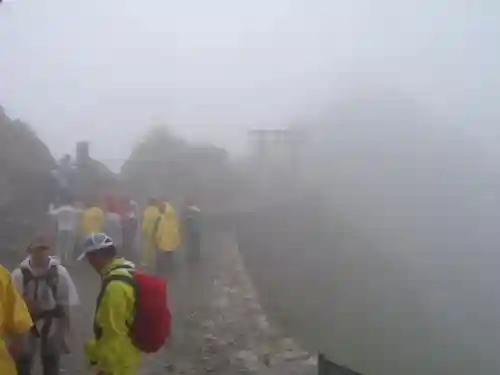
25	181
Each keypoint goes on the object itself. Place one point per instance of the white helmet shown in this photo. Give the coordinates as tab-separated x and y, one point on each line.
94	242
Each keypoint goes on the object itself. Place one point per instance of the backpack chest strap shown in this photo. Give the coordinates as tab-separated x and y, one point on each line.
51	277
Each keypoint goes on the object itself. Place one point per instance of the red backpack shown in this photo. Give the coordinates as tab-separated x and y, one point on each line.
152	318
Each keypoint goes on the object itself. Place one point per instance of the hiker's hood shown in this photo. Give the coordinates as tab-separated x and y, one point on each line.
128	263
65	281
117	262
26	263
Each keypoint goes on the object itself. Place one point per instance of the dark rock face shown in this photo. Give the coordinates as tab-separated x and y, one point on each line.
25	183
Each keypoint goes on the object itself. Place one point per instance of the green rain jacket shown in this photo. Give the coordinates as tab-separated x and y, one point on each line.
113	352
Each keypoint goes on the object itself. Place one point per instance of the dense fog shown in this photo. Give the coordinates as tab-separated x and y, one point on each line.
378	243
386	257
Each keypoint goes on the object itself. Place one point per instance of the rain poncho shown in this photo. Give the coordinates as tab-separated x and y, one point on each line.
67	294
149	239
14	319
168	238
41	292
113	353
92	220
149	217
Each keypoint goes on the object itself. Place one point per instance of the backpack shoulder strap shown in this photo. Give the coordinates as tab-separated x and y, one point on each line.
27	275
121	267
127	279
52	272
105	282
52	278
123	278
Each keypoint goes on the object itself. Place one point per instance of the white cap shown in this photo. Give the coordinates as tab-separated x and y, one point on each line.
95	242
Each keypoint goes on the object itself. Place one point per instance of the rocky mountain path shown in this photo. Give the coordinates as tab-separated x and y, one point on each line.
219	325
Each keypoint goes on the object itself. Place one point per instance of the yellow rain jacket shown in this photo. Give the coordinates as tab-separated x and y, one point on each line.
92	220
113	353
149	240
149	217
168	237
14	319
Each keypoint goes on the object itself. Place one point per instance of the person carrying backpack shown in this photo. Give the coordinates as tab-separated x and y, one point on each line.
49	293
131	314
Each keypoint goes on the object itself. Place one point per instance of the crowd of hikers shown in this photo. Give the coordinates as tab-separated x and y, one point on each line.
131	314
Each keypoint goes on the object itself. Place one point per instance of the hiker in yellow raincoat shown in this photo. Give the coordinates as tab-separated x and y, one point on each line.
111	351
15	322
168	238
92	220
149	227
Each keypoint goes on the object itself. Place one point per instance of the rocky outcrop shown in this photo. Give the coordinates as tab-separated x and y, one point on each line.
163	164
25	182
94	180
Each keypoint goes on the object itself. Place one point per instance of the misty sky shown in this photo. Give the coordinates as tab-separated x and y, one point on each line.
106	70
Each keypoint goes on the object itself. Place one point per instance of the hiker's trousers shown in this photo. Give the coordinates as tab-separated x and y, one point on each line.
192	245
65	246
49	352
148	253
165	263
